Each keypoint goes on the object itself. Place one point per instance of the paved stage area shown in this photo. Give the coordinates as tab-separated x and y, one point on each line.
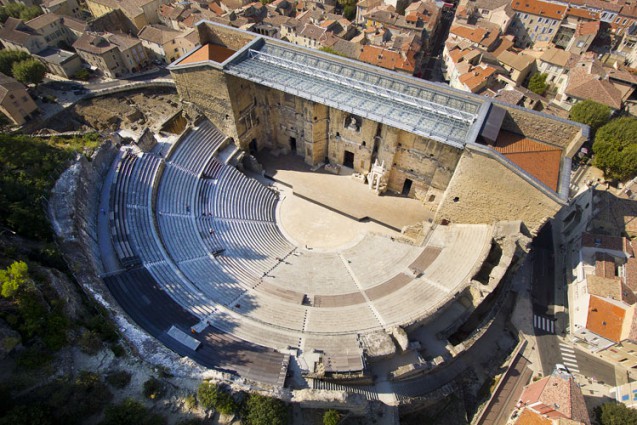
315	227
342	193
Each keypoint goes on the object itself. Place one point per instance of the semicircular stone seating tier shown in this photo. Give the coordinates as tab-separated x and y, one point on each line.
217	251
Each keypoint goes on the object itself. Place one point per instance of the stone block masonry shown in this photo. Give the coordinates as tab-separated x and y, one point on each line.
482	190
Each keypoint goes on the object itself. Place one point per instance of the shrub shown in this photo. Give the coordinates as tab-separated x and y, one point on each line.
118	350
331	417
131	412
27	415
190	401
537	83
261	410
13	278
118	379
210	396
34	357
90	343
82	75
154	389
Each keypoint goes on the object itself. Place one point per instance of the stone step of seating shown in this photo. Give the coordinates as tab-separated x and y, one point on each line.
248	330
368	391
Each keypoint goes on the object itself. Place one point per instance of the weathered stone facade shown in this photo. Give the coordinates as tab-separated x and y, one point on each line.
483	190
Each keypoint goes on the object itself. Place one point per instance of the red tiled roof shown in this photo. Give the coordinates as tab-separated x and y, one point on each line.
476	77
475	34
604	265
582	13
586	28
605	318
611	243
387	59
540	8
208	52
528	417
538	159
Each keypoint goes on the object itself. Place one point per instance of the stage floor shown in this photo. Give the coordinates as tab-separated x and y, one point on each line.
341	193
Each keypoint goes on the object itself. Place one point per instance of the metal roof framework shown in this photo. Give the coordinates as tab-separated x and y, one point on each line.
428	112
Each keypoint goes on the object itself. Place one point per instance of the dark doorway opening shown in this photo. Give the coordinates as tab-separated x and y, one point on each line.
407	187
293	144
349	159
253	147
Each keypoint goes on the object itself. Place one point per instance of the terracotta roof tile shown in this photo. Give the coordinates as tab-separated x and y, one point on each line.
556	396
208	52
587	28
538	159
604	265
611	243
582	13
540	8
476	77
528	417
606	319
474	34
583	85
386	59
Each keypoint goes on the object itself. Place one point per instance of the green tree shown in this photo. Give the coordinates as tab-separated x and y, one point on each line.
262	410
8	58
590	113
349	8
13	278
615	148
30	12
210	396
331	417
131	412
18	10
29	71
537	83
615	414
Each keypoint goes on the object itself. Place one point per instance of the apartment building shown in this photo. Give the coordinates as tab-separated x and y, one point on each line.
535	21
15	101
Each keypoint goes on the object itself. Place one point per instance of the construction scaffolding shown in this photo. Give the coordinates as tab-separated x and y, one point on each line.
422	109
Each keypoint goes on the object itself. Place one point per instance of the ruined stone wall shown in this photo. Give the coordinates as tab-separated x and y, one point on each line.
316	144
544	128
354	134
247	110
207	88
286	120
225	37
483	190
426	162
